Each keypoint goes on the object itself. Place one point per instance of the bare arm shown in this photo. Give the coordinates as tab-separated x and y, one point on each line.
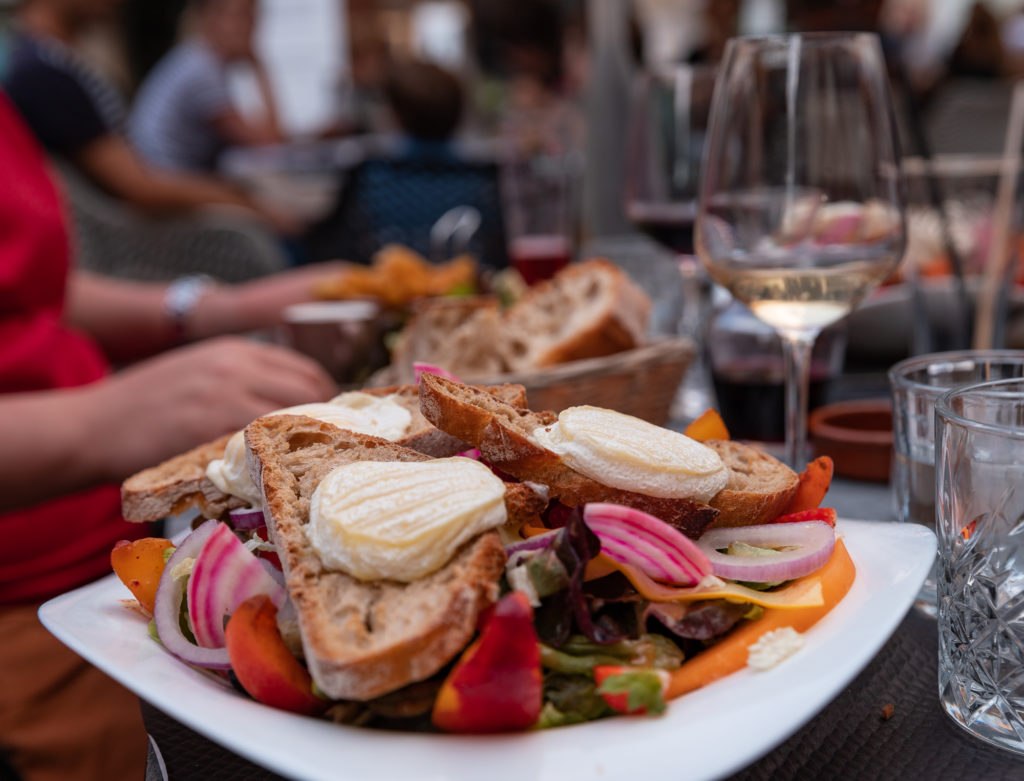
58	442
46	450
111	162
128	318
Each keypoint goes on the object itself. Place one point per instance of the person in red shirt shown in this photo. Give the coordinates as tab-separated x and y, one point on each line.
70	431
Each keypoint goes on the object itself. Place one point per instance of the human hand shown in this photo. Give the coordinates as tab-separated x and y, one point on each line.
260	303
183	398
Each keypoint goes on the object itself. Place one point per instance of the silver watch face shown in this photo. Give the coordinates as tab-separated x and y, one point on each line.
184	293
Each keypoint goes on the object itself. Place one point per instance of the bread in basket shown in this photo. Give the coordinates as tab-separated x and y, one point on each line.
579	338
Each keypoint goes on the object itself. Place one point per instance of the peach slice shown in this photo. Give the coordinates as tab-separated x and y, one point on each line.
496	684
139	565
264	666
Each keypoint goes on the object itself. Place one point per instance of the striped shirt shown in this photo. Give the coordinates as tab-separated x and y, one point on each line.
64	100
171	123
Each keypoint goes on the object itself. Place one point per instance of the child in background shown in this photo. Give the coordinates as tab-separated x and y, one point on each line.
426	102
183	117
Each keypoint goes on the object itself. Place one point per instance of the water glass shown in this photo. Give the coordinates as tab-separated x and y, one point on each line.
917	383
980	502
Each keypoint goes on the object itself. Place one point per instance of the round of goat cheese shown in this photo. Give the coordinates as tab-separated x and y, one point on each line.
379	416
634	455
393	520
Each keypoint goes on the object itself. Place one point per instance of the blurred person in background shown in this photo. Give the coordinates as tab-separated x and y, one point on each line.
522	45
426	102
78	115
71	431
183	116
363	89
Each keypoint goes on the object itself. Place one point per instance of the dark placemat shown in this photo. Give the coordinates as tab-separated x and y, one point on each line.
850	739
187	755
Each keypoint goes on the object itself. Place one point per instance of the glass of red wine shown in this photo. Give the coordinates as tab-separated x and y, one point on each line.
538	215
669	109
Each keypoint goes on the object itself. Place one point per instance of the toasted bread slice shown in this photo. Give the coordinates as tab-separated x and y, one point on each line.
364	639
587	310
504	435
464	335
759	488
176	485
180	483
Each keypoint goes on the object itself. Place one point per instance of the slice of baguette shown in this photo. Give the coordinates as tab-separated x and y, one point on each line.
176	485
180	483
504	435
587	310
759	488
364	639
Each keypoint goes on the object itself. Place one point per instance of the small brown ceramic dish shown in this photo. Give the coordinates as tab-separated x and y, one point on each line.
857	435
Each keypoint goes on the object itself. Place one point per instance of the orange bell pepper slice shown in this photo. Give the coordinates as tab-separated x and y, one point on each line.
708	425
730	654
814	483
264	666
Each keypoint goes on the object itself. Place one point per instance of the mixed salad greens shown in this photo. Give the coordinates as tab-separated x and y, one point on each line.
604	610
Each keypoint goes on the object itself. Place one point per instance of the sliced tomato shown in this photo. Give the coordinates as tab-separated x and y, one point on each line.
826	514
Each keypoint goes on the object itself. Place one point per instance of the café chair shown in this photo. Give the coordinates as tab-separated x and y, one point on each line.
387	201
113	239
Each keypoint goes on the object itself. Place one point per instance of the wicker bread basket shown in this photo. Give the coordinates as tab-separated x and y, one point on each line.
640	382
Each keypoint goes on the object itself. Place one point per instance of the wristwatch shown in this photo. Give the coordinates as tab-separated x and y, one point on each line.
181	298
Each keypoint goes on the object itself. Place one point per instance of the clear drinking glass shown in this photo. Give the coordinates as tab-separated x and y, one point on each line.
979	463
916	384
801	210
668	117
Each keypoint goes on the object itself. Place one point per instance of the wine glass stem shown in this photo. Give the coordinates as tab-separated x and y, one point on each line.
796	348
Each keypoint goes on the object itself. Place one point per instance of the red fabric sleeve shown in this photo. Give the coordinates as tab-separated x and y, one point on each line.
64	542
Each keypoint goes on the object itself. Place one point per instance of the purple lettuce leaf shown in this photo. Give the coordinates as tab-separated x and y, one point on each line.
559	613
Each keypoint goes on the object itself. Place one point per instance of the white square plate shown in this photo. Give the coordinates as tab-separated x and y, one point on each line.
706	734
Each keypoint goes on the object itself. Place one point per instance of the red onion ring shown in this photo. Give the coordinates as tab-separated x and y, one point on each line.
634	537
536	542
247	518
812	541
225	574
421	368
167	606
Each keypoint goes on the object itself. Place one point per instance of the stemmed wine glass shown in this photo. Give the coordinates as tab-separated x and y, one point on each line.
667	125
801	210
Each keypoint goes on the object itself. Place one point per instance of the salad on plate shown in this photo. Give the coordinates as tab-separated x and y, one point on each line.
604	610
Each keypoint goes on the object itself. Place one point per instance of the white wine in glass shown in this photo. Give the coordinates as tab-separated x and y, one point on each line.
800	211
